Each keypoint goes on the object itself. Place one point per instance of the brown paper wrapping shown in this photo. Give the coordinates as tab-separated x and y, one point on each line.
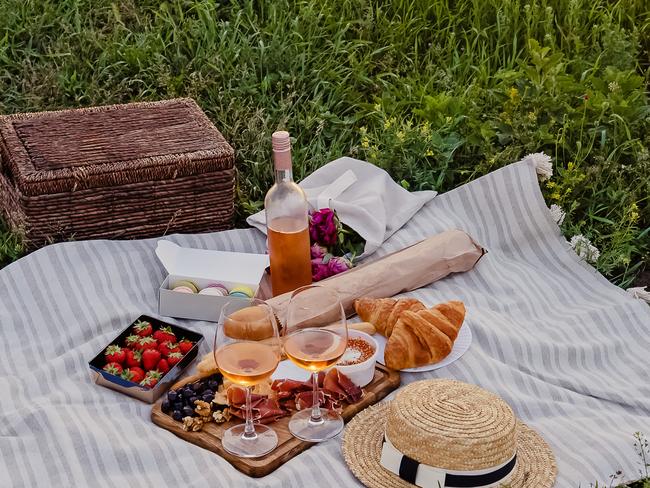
430	260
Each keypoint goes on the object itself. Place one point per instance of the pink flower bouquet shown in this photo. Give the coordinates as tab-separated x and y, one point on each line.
329	237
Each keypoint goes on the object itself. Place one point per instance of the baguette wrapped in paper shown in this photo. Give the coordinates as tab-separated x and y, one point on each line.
452	251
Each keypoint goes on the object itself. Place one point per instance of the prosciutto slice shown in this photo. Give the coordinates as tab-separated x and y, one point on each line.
352	392
335	388
265	410
287	395
305	399
286	389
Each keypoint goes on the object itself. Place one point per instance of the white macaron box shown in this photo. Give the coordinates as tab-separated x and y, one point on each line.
205	268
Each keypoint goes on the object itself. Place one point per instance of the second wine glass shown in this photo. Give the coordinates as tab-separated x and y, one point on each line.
315	338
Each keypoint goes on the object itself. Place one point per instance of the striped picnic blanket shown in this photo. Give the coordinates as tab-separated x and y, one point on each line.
565	348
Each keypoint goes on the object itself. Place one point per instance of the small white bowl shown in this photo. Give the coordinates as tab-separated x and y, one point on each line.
361	374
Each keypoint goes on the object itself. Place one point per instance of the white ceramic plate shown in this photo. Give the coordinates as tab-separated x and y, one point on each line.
461	345
287	369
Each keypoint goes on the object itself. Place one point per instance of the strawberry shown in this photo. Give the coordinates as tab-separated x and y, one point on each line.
114	354
135	374
113	368
174	358
164	334
166	348
133	358
185	345
150	359
132	340
142	328
149	382
151	379
163	366
146	343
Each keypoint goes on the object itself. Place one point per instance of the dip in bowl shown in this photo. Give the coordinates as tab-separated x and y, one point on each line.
358	361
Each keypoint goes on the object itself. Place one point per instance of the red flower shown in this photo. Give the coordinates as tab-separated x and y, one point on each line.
317	251
338	265
319	271
323	228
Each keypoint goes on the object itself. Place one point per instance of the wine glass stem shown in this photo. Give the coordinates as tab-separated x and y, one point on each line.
315	409
249	429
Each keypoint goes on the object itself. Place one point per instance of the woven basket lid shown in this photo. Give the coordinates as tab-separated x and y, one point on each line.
449	425
113	145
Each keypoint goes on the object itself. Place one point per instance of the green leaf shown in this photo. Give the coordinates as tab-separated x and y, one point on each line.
603	220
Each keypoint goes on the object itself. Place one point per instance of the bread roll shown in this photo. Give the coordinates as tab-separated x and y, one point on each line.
249	323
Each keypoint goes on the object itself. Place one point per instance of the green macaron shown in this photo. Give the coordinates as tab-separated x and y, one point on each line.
238	294
243	290
186	283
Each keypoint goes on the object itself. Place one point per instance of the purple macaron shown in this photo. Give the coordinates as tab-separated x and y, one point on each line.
218	285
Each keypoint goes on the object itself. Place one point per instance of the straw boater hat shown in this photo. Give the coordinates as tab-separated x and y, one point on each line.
443	434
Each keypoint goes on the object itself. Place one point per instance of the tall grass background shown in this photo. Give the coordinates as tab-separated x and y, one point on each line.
436	92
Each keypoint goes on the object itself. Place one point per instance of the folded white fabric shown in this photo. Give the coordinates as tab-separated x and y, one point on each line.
364	197
640	292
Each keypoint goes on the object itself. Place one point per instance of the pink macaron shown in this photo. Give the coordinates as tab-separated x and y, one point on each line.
183	289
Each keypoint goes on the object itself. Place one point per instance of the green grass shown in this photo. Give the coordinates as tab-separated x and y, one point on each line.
436	92
11	246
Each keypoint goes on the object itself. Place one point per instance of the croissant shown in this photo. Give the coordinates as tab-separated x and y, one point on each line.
442	322
384	313
415	341
455	312
416	335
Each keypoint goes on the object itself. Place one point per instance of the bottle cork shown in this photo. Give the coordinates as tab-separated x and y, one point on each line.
281	150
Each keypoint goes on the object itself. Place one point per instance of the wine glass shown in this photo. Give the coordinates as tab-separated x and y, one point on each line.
315	338
247	351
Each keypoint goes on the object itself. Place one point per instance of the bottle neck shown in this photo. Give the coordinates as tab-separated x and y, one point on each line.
282	164
283	175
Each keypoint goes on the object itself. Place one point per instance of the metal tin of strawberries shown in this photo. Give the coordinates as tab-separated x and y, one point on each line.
146	358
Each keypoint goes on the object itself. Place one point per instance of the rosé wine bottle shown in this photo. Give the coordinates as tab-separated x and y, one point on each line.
287	223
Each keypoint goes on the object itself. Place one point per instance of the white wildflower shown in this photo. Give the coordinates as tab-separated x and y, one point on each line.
613	86
640	292
584	248
543	164
557	213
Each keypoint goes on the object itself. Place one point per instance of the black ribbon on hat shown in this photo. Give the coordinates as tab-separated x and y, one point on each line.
408	471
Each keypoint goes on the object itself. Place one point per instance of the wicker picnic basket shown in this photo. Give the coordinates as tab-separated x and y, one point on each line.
119	171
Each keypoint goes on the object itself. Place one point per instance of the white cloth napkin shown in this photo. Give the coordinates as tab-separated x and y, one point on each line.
364	197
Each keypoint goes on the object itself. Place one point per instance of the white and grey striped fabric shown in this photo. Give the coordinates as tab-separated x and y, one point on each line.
565	348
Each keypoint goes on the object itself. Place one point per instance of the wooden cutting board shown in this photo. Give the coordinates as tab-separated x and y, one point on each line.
385	381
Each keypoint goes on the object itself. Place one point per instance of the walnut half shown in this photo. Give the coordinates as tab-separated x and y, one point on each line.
221	416
202	408
192	424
